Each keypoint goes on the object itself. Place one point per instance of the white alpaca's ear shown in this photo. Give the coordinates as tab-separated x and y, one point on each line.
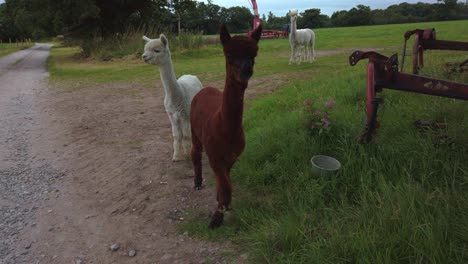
145	38
164	40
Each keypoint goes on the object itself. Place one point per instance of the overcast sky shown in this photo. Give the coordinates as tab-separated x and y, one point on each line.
327	7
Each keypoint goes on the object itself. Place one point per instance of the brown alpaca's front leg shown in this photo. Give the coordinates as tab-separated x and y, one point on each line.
196	154
223	195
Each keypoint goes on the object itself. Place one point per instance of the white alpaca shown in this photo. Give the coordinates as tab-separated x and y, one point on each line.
302	41
178	94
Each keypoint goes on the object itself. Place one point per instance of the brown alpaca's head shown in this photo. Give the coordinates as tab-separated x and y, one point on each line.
240	53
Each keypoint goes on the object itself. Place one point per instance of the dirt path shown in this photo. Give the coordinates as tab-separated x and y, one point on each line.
25	177
110	147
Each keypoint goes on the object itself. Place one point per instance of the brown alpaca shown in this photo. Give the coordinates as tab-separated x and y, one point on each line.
216	118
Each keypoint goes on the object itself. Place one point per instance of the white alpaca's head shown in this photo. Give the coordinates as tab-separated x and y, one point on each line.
293	15
156	50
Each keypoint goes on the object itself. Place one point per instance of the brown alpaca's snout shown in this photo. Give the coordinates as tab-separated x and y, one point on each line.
246	69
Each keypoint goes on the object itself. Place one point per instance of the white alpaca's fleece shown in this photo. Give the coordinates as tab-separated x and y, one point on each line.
302	41
178	94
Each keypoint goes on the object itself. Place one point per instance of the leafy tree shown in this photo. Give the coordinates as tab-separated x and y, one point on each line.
311	18
87	19
359	16
239	19
340	18
7	27
184	10
210	17
447	10
274	22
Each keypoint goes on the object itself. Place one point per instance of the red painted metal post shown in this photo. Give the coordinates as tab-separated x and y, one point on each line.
421	55
416	48
370	89
382	72
425	39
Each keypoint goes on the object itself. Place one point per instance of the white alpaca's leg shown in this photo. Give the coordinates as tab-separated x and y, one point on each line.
293	54
306	53
298	54
301	55
177	137
312	47
186	138
312	50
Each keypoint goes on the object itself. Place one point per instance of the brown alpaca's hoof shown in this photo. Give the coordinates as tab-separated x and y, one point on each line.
198	183
216	220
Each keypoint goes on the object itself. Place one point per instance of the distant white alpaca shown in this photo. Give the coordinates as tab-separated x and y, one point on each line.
179	94
302	41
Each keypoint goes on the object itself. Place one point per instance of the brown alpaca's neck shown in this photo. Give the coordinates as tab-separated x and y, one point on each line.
233	105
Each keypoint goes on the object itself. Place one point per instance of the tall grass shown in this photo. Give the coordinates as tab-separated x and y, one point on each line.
130	44
8	48
401	199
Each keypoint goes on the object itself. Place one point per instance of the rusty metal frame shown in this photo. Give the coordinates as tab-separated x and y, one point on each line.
426	39
382	72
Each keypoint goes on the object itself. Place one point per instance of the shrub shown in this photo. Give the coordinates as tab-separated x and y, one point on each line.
131	44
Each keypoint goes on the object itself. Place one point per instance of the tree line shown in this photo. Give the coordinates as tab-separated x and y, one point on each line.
363	15
85	19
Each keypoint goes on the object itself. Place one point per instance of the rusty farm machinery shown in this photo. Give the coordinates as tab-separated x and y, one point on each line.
383	72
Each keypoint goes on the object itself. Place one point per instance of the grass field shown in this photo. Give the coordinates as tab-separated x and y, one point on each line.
7	48
401	199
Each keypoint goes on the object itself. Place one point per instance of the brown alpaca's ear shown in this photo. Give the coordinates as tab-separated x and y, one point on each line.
164	40
224	35
257	33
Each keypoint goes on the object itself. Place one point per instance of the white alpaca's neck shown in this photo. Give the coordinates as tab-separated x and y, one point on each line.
169	80
293	28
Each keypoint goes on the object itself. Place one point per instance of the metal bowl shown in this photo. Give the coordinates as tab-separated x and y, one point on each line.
324	165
